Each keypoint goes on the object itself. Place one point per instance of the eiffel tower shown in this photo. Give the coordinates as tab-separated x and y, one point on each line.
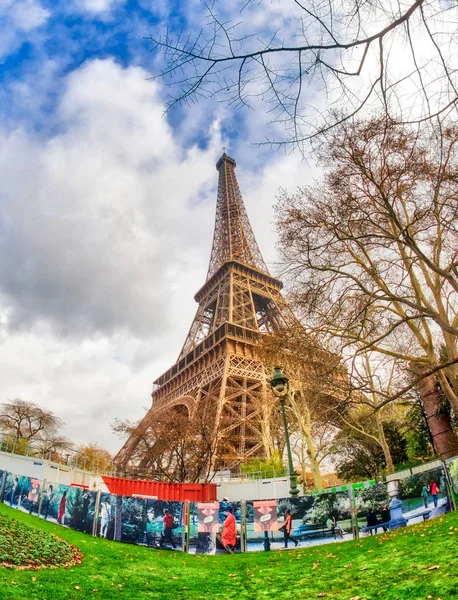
239	301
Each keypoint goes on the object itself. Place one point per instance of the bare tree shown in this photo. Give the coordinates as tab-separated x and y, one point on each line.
24	419
372	377
313	374
177	447
297	56
373	249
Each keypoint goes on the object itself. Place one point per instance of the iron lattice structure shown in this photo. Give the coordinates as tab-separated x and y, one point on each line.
217	366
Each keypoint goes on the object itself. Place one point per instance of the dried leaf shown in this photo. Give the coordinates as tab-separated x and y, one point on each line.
321	595
433	567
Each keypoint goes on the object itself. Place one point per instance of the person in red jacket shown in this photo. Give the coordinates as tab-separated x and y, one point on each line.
229	534
287	527
169	524
62	506
434	490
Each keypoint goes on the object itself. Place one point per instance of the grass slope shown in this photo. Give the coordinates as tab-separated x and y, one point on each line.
385	567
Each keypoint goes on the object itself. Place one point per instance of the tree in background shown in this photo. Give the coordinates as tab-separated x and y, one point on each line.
23	419
361	457
92	457
311	406
371	250
271	467
347	51
177	447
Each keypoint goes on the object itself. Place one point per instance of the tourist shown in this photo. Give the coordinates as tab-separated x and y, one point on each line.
434	490
371	519
424	495
287	527
105	513
62	506
385	517
331	524
169	526
47	500
86	497
229	534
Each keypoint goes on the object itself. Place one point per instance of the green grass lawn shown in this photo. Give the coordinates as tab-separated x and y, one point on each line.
395	565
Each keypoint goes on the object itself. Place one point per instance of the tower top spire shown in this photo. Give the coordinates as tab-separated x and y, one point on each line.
233	239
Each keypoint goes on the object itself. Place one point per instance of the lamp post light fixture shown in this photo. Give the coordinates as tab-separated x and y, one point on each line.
280	387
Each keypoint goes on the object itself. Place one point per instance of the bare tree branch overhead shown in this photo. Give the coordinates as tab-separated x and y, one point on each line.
313	64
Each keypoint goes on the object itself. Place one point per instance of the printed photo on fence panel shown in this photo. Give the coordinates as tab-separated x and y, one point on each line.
424	496
223	518
153	523
452	466
21	492
312	520
261	520
372	508
70	506
203	527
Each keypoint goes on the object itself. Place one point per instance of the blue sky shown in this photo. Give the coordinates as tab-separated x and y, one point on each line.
107	206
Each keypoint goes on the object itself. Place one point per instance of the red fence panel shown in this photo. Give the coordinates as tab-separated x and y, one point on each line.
195	492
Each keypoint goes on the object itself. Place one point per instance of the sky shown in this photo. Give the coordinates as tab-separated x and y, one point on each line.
107	200
107	205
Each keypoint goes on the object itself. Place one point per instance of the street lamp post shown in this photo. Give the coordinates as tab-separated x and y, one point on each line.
280	387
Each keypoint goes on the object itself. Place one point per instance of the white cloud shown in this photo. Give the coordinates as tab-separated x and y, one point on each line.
18	21
105	236
97	6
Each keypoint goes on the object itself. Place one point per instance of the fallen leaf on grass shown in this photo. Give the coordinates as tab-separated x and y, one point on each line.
347	567
321	595
363	569
433	567
370	550
315	566
77	587
232	574
356	598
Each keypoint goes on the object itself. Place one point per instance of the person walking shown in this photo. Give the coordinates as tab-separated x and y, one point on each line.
62	506
434	489
105	513
424	495
47	501
287	527
169	524
229	534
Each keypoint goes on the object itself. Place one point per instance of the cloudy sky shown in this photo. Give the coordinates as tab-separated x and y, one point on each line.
107	206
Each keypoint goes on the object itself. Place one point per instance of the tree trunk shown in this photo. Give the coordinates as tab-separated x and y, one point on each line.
384	444
314	464
444	439
305	423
